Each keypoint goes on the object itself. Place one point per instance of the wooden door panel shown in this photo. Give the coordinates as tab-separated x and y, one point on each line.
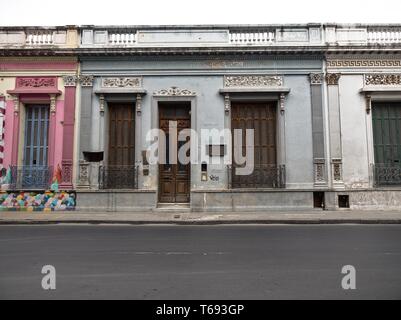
261	117
175	177
121	135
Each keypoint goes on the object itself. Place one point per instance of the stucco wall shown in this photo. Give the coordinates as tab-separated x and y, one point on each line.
353	132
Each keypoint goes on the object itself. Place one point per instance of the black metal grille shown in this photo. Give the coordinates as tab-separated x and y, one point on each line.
387	174
118	177
263	176
31	177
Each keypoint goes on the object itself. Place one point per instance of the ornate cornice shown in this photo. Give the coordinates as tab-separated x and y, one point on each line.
174	91
383	79
253	81
122	82
316	78
332	78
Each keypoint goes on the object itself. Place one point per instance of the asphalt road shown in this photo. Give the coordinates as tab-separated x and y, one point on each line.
200	262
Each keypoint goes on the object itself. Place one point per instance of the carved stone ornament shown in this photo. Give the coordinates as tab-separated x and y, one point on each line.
337	170
53	103
227	103
253	81
383	79
368	103
83	173
174	91
101	104
138	104
125	82
282	107
332	78
316	78
319	170
36	82
86	81
70	81
16	104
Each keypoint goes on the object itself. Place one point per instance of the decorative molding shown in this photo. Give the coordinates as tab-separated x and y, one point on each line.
36	82
174	91
337	169
86	81
332	78
368	103
227	103
16	104
316	78
363	63
53	103
83	177
319	165
138	104
122	82
253	81
281	101
383	79
101	104
70	81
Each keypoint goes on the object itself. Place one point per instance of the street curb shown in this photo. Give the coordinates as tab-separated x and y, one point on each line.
203	222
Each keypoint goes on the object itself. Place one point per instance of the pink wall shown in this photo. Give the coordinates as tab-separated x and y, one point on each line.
58	136
11	135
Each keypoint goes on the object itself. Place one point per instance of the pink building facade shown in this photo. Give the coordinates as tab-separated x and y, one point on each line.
39	96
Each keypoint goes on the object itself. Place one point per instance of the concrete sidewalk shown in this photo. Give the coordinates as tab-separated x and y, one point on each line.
271	217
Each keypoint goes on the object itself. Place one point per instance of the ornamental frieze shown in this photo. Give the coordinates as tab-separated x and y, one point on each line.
36	82
122	82
363	63
253	81
174	91
383	79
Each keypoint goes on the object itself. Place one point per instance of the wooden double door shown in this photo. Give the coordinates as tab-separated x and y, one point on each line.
174	176
261	118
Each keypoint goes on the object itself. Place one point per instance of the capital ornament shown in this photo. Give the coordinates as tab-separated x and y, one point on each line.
316	78
86	81
70	81
332	78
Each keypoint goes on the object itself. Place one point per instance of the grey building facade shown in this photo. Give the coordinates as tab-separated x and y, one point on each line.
324	101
